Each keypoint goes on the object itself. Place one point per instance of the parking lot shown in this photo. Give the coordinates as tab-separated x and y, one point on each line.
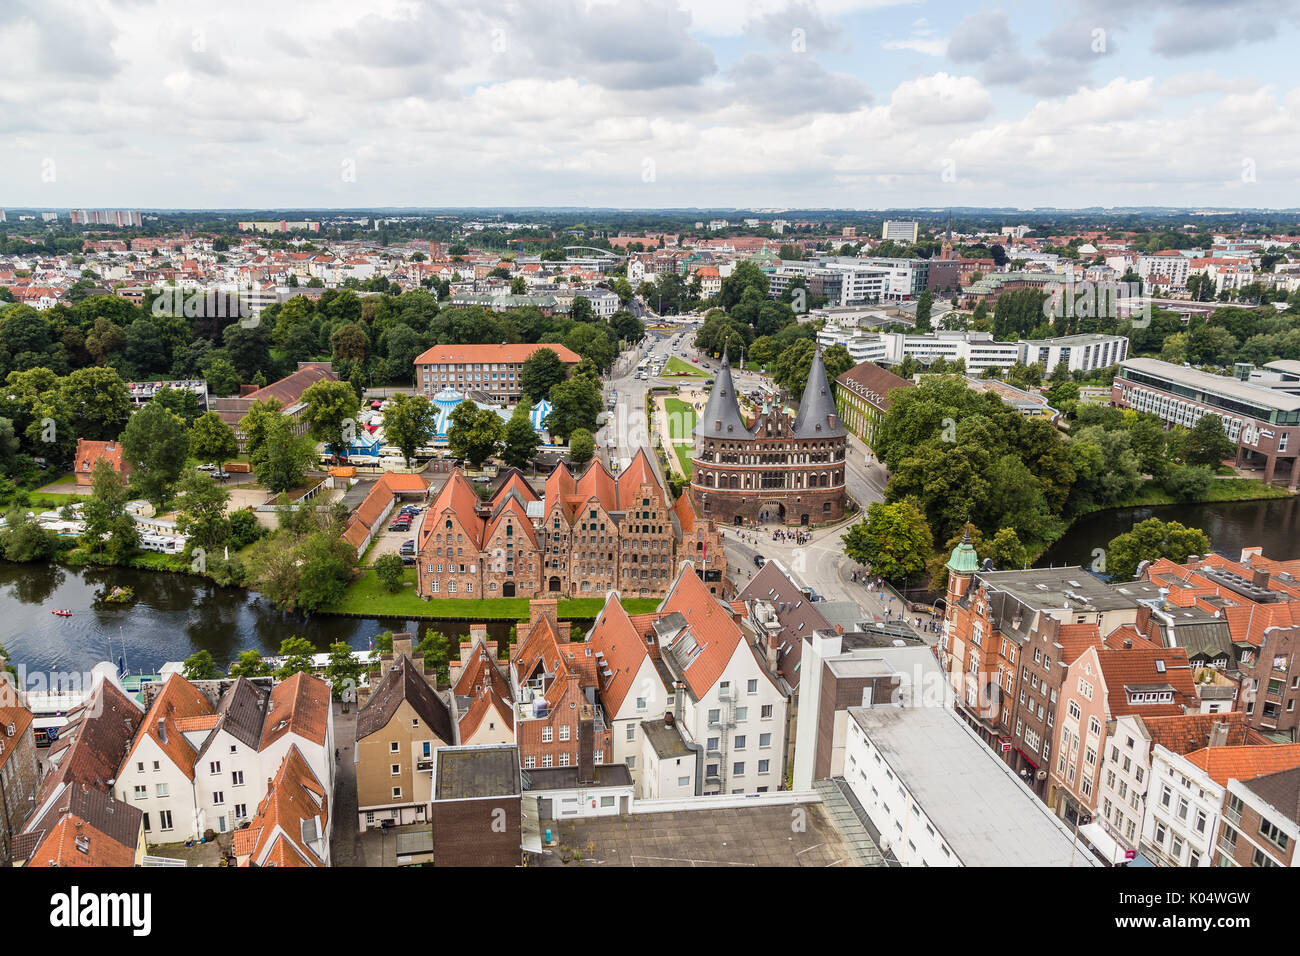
390	542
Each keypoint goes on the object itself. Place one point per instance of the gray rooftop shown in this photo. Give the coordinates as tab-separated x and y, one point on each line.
818	416
721	417
1055	588
983	811
1218	384
667	741
466	773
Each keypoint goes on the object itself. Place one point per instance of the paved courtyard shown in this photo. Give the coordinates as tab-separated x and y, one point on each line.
785	835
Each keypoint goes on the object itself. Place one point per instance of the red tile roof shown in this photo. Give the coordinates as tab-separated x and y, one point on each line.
623	650
1243	763
511	353
1139	667
710	623
299	705
294	798
177	700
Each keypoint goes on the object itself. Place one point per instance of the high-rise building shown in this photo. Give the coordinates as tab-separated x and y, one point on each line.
900	231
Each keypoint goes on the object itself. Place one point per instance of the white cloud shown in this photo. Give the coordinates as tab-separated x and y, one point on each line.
941	98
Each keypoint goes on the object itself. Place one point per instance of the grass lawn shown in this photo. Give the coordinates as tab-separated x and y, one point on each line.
369	597
46	500
681	428
678	366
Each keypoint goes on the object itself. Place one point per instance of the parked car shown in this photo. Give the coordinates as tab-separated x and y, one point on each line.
221	475
409	559
759	560
206	466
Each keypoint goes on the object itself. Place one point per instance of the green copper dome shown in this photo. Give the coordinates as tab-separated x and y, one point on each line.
964	560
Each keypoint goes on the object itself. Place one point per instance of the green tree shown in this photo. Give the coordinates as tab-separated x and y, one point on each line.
1206	443
1006	551
342	670
409	422
473	433
575	404
110	533
1150	540
1189	482
581	447
593	341
331	414
296	657
519	441
541	372
250	664
389	569
327	565
97	403
156	444
201	512
282	457
924	306
212	441
891	539
24	539
436	649
200	666
349	343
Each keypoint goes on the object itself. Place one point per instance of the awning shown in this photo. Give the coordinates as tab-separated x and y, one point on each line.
1103	844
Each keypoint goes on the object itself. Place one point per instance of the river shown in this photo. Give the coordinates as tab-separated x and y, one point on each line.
172	616
1272	524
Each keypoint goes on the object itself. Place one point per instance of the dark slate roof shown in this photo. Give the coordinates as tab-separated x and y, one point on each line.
404	682
243	710
722	418
1280	790
115	819
818	417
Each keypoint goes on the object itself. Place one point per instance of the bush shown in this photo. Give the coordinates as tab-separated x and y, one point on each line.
1189	482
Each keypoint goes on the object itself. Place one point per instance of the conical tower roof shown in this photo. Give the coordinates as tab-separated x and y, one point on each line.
818	417
722	416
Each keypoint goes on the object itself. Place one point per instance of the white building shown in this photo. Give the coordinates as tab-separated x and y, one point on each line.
1183	804
707	687
196	767
939	797
1173	267
900	230
1079	353
977	349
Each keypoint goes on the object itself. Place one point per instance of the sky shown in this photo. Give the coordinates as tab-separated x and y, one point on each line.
761	104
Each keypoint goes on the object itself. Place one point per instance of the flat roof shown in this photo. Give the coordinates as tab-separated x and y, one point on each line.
1054	588
983	811
1219	384
468	772
667	741
566	778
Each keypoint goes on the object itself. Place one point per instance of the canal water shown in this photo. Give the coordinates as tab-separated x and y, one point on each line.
172	616
1273	525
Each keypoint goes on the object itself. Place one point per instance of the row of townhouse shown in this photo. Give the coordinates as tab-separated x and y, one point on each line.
1130	708
206	752
587	534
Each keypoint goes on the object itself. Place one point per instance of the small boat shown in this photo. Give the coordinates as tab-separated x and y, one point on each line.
62	613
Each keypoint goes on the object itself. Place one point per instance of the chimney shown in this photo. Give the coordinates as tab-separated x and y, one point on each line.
1260	578
586	745
1128	643
771	655
542	608
1218	734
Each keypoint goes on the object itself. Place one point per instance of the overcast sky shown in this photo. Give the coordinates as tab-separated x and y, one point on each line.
648	103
